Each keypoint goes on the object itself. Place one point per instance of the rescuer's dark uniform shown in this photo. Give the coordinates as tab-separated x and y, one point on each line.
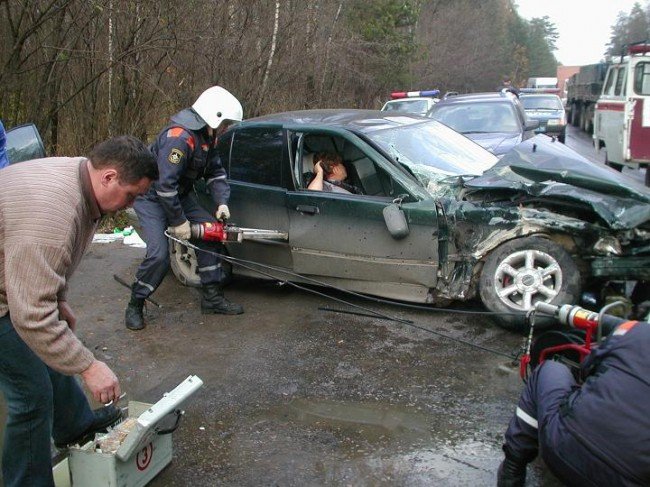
185	152
593	434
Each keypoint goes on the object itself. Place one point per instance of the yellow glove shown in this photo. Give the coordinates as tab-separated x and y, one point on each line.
223	213
182	231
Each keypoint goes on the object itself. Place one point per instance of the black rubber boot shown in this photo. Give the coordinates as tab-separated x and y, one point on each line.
133	315
214	302
511	473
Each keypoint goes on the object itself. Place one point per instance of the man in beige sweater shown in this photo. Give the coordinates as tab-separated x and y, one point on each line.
49	211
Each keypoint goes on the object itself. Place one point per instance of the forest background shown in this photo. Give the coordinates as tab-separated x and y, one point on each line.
83	70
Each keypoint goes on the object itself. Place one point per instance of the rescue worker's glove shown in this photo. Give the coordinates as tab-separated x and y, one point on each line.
182	231
223	213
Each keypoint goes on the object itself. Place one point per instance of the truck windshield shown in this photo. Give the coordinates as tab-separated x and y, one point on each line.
642	79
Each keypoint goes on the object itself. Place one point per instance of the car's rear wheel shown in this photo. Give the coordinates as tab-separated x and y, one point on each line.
184	264
185	267
522	272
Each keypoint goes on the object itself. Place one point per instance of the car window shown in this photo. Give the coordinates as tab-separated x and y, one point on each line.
256	156
541	103
619	90
24	143
609	82
642	79
478	117
364	177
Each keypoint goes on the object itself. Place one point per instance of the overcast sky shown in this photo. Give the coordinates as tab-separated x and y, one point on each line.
584	26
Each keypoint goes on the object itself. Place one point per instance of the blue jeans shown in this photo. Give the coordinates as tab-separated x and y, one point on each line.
41	404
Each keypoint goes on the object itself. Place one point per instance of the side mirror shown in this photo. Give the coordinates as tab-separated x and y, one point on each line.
395	220
531	125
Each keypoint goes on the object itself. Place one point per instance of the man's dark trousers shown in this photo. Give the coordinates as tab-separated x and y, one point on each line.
41	404
153	221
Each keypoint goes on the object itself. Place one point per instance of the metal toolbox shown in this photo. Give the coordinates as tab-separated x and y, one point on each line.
133	452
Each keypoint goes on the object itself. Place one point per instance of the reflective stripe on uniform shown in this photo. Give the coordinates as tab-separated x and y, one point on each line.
526	418
148	286
209	268
166	194
215	179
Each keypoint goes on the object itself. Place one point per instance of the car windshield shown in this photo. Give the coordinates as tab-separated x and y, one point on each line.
433	152
477	117
414	106
541	102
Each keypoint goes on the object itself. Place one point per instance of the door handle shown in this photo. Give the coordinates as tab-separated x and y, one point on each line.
308	209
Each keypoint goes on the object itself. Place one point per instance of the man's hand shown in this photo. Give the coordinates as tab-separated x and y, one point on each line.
66	314
182	231
223	213
101	382
318	167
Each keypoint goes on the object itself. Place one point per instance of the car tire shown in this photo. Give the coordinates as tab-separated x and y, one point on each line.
562	137
185	267
521	272
184	264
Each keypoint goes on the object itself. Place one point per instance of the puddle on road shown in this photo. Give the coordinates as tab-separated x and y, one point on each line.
372	423
383	444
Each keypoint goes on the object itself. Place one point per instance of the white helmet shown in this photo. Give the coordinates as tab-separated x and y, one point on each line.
217	104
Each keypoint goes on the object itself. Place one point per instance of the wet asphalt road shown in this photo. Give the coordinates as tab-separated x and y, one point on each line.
297	396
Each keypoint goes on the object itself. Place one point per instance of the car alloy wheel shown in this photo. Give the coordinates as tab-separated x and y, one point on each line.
524	271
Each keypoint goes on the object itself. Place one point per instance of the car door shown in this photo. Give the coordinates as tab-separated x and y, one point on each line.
343	239
257	164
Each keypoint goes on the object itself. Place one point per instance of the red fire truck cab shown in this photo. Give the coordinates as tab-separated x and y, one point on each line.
622	115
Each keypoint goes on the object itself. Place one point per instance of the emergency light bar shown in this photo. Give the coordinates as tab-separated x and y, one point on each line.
412	94
640	48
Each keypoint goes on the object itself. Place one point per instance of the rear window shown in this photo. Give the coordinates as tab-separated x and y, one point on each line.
414	106
478	117
541	102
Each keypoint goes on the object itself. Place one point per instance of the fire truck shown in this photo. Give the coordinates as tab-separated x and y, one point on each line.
622	114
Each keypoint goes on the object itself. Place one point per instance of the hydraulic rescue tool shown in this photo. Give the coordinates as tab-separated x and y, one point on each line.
586	329
227	232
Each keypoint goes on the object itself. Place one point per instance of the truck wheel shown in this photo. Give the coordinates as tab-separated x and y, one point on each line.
615	166
575	115
524	271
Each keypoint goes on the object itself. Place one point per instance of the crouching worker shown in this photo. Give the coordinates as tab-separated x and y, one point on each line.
49	211
593	434
186	151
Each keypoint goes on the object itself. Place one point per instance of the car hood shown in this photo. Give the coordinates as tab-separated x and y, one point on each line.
542	167
497	143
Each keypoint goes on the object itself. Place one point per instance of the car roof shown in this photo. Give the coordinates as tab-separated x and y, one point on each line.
474	97
539	95
363	121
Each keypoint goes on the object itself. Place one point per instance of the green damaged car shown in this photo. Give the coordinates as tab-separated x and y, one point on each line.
434	217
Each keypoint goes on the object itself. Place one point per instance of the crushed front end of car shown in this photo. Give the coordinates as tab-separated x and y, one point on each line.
541	188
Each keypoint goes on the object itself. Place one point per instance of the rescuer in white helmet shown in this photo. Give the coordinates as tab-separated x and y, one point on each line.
186	151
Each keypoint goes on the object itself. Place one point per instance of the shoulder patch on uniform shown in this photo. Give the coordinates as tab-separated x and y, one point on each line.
175	132
175	156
